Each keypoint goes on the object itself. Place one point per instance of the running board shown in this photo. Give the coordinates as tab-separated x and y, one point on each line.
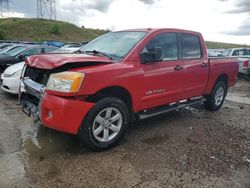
171	107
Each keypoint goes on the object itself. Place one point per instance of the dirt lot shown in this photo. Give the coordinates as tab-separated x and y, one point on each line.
187	148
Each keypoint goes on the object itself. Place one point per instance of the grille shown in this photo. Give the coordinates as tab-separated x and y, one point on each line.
30	98
40	76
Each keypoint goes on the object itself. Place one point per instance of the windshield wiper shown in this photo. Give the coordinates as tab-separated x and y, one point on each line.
95	52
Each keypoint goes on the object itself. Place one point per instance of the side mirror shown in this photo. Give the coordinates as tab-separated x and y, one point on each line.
22	57
155	55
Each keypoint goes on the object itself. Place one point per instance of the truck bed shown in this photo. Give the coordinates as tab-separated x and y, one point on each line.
222	66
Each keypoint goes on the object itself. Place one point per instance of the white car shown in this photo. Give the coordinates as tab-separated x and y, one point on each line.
68	48
11	78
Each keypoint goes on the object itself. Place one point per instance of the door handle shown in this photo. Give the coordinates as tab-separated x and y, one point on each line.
204	65
178	68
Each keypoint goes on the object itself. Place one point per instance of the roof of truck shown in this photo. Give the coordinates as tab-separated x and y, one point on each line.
151	30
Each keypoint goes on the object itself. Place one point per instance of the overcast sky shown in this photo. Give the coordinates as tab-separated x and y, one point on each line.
218	20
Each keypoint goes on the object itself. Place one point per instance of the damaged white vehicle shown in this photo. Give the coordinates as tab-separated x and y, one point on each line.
11	78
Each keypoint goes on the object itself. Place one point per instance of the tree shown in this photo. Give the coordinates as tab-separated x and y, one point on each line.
55	29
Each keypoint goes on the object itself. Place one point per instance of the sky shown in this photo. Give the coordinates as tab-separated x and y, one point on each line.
218	20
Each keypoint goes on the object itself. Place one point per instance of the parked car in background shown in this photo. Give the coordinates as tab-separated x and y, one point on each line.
215	52
243	55
123	76
10	47
4	45
19	54
11	78
84	42
69	48
57	44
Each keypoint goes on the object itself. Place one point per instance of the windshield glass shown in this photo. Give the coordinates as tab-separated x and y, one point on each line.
16	51
115	44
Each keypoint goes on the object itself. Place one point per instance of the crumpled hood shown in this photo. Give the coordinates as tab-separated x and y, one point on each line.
51	61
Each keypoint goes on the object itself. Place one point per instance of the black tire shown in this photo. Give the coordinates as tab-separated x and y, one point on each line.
211	103
86	131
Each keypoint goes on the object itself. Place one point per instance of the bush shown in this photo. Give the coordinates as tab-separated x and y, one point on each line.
55	30
2	34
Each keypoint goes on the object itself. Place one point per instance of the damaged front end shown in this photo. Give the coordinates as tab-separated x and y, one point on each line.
32	89
62	113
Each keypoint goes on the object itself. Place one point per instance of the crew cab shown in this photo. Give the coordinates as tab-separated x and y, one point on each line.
243	56
120	77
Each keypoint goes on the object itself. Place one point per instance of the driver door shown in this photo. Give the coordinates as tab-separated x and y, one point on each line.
162	78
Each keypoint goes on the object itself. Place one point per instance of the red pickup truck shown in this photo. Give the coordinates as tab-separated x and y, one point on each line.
120	77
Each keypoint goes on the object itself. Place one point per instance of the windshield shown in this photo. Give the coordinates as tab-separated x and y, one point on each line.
15	51
115	44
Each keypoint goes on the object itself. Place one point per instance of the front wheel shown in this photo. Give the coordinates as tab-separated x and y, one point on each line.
217	96
105	124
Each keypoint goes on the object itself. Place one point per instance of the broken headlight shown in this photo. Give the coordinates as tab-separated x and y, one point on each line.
65	81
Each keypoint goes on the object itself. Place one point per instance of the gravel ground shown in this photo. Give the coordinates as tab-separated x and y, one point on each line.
187	148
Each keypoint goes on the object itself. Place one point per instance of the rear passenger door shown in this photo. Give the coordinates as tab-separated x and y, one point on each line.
195	65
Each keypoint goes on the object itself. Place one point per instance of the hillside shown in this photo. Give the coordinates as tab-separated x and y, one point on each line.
40	30
220	45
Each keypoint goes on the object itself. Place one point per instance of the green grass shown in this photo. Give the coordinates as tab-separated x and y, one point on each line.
41	29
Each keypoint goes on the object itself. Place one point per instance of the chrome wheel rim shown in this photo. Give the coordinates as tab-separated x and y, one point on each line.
107	124
219	96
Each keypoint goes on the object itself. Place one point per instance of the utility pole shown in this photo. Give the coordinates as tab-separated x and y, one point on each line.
46	9
4	8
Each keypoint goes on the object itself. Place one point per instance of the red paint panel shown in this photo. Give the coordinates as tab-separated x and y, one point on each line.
63	114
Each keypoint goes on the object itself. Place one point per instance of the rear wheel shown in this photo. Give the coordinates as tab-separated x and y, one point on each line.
105	124
217	96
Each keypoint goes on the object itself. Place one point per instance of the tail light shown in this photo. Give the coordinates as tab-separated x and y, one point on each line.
245	64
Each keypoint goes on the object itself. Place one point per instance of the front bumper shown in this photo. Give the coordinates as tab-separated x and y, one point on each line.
60	113
63	114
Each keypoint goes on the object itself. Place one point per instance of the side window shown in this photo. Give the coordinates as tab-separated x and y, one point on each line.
240	52
33	51
49	49
246	52
235	53
167	42
191	47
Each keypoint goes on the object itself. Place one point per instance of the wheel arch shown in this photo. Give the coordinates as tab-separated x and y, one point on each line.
214	80
113	91
222	77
